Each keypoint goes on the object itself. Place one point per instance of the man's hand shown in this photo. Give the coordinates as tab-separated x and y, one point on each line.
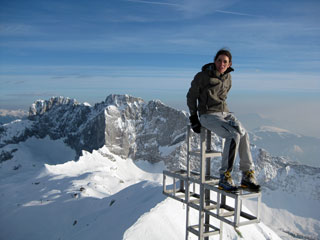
195	123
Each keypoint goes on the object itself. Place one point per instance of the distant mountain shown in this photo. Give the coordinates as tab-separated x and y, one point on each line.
131	128
128	126
281	142
7	116
254	120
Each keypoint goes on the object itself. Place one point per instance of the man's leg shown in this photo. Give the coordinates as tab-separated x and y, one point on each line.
246	162
217	124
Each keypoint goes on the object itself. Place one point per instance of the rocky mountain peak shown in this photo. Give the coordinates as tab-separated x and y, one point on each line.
119	100
39	107
127	125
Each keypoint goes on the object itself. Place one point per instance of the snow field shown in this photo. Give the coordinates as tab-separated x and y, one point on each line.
92	198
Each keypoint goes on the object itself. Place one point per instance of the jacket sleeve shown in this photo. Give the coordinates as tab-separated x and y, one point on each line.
193	95
230	84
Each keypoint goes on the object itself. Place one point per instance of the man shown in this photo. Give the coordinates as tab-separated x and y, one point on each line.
207	97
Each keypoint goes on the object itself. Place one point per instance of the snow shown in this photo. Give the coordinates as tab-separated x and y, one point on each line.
272	129
87	104
297	149
92	198
14	128
291	218
166	150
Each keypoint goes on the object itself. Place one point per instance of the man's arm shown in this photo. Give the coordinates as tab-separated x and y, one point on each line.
192	102
193	95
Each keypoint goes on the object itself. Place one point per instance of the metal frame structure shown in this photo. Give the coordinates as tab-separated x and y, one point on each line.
194	188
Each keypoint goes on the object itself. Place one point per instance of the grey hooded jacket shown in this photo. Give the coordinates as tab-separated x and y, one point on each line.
208	91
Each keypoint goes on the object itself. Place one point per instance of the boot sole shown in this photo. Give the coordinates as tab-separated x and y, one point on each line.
228	190
250	189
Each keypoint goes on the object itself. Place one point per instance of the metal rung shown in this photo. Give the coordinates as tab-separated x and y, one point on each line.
207	154
212	230
208	179
194	176
181	174
194	201
193	230
195	153
248	222
195	195
210	207
180	198
248	216
194	206
227	214
172	191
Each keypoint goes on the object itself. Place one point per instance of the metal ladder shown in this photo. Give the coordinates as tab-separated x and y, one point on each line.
204	229
199	197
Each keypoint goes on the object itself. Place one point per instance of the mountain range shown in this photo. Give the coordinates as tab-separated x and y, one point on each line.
7	116
281	142
79	143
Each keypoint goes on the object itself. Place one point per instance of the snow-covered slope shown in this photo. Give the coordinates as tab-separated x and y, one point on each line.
291	196
83	162
95	197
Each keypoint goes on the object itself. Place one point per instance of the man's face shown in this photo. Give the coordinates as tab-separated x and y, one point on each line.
222	63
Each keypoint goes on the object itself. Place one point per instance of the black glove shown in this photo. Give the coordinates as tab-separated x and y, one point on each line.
195	123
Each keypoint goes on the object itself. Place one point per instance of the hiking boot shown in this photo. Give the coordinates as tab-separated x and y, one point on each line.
249	181
226	182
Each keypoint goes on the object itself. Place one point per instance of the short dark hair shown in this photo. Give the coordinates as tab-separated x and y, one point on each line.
223	51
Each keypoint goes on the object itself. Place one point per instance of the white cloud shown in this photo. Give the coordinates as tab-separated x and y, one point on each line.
11	29
192	8
154	2
236	13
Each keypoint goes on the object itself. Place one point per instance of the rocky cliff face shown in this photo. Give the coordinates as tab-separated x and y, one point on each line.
128	126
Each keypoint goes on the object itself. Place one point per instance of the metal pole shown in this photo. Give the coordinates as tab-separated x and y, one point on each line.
187	193
207	191
202	180
221	226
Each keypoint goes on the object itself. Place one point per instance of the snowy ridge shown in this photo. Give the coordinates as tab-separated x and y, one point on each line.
125	129
14	131
272	129
95	197
279	173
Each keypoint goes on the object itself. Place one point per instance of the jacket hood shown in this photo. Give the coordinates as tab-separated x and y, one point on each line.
211	67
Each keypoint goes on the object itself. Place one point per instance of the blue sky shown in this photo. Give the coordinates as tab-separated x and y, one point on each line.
152	49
